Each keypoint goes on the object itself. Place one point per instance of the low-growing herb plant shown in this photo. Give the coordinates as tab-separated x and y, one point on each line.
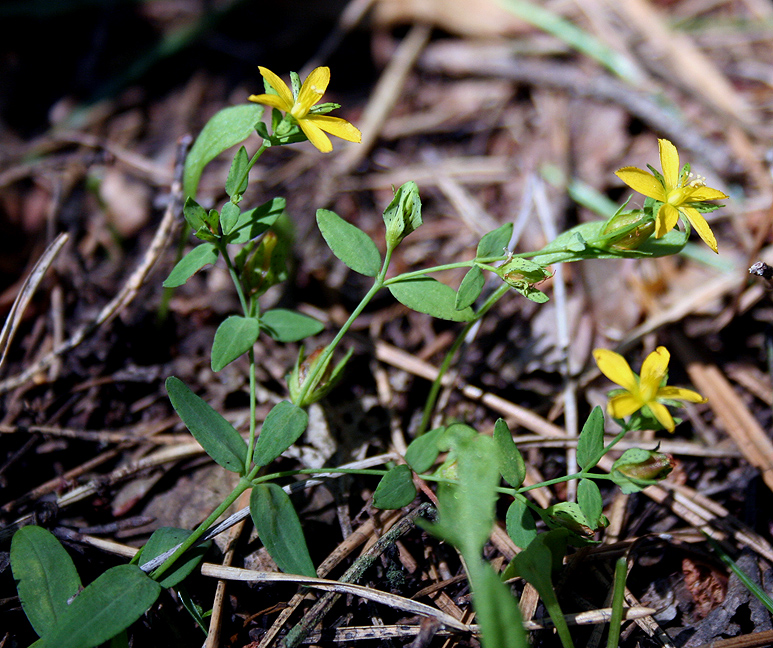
252	243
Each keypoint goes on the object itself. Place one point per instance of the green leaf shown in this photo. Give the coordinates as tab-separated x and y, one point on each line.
496	611
45	574
591	441
569	515
234	336
216	435
190	264
396	489
238	171
288	326
110	604
426	295
280	529
255	222
494	244
349	243
520	523
470	288
195	215
423	450
283	426
226	129
167	538
511	463
229	217
590	501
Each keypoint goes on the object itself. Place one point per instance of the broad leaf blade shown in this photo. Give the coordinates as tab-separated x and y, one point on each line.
494	244
349	243
470	288
591	441
283	426
280	529
427	295
216	435
521	526
226	129
289	326
396	489
233	337
511	463
190	264
590	501
423	451
167	538
110	604
46	576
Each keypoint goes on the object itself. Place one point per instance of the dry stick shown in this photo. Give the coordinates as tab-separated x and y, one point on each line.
354	573
132	285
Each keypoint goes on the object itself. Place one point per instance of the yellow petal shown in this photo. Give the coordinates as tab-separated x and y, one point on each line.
653	370
269	100
623	405
669	162
280	86
666	219
664	417
311	91
681	394
614	367
701	226
315	135
336	126
642	181
707	193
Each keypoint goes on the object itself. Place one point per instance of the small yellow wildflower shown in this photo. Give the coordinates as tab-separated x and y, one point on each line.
312	124
676	191
645	391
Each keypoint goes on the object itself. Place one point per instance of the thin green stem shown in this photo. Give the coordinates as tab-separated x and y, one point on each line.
253	404
618	598
223	249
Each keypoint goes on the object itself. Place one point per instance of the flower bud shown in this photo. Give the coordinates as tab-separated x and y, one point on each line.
638	468
628	230
403	215
323	379
264	266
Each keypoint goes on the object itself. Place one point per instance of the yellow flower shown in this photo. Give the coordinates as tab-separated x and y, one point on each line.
645	391
312	124
676	191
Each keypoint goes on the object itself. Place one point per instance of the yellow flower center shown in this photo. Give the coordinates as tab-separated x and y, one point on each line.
678	196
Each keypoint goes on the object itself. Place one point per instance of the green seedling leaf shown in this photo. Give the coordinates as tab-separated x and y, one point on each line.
283	426
234	336
107	606
191	263
494	244
521	526
280	529
349	243
289	326
167	538
396	489
229	217
427	295
511	463
226	129
423	451
254	222
590	501
45	574
591	441
496	611
236	184
216	435
470	288
191	608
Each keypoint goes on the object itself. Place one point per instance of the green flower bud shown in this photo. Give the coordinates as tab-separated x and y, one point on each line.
628	230
323	382
403	215
638	468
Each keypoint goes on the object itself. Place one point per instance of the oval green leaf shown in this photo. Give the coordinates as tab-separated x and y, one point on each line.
237	172
396	489
45	574
110	604
234	336
423	451
190	264
520	524
494	244
226	129
511	463
254	222
427	295
280	530
216	435
470	288
590	501
289	326
167	538
591	441
283	426
349	243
